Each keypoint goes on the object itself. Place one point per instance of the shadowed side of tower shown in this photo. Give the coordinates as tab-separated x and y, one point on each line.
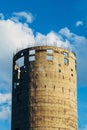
44	89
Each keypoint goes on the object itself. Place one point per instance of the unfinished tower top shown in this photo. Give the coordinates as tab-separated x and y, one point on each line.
44	93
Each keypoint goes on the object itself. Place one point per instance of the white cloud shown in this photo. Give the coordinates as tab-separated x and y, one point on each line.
17	16
18	35
80	45
73	38
40	39
66	32
55	39
79	23
5	98
52	39
5	106
13	35
1	16
5	113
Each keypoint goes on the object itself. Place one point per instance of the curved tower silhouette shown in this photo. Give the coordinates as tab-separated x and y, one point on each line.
44	93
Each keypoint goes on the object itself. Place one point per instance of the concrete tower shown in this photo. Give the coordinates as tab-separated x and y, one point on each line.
44	95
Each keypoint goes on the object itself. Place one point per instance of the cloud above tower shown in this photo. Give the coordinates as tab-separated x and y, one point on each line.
18	35
17	16
79	23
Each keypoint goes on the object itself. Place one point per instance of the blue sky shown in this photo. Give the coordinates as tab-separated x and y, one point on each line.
29	22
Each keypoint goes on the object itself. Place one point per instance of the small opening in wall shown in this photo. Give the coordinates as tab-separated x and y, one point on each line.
59	65
36	76
45	86
59	70
63	90
24	67
64	111
32	58
22	54
17	84
66	61
54	87
31	52
72	75
63	77
50	58
75	67
33	110
46	75
20	62
65	54
71	69
49	51
35	84
69	90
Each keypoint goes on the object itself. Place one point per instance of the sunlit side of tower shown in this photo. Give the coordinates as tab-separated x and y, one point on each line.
44	93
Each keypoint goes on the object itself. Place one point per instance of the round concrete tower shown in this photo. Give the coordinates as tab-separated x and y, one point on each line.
44	95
